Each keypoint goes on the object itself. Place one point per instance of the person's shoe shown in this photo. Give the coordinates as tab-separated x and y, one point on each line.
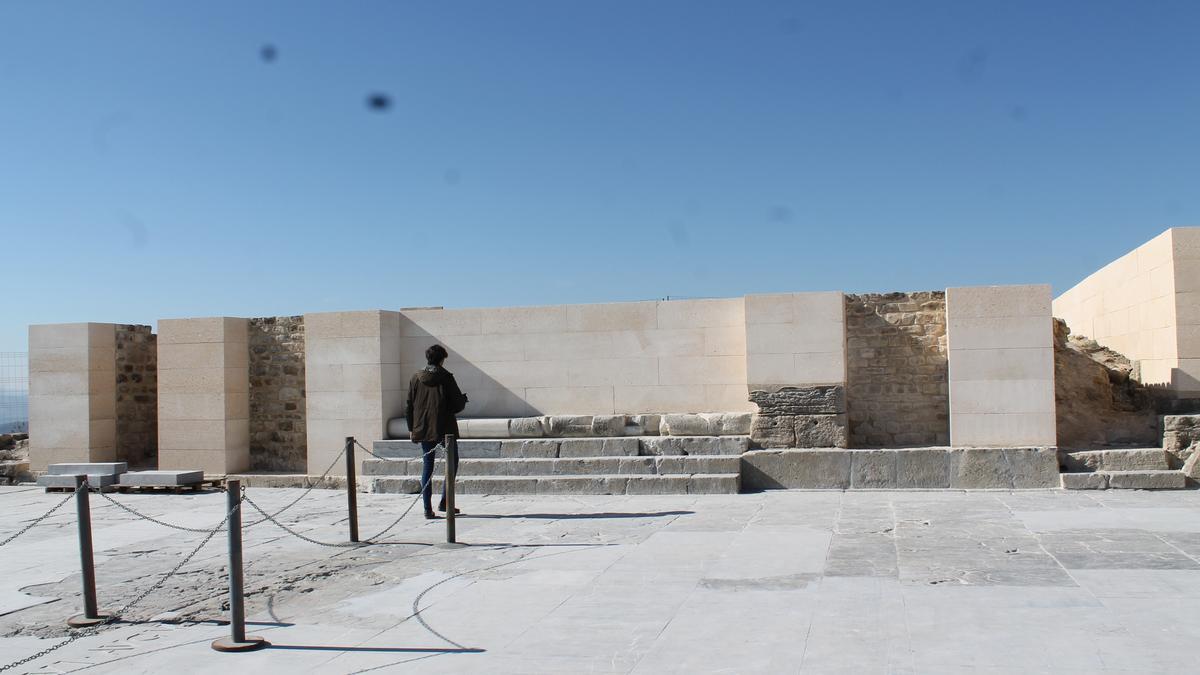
430	515
442	508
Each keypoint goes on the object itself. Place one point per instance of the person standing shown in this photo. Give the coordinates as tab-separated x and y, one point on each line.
433	401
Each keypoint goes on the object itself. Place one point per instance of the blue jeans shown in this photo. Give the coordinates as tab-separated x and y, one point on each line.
428	459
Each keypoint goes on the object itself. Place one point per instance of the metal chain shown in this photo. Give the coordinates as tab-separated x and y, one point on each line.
351	544
88	632
285	528
45	515
420	490
152	519
396	459
304	494
183	528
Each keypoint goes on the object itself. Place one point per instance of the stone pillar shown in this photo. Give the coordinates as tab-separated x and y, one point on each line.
1001	345
203	395
72	393
353	381
796	369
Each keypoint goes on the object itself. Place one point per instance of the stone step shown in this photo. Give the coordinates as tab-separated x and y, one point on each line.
1133	459
1124	480
649	484
537	466
549	448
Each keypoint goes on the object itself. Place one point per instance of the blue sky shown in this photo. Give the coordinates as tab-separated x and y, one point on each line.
152	165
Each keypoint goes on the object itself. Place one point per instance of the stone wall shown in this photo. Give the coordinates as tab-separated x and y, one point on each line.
278	430
630	358
800	417
137	396
1098	403
897	377
1144	305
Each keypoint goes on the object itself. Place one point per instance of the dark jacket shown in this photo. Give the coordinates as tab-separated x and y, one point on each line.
433	400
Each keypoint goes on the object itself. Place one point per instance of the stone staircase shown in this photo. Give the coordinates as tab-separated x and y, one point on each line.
601	466
1131	469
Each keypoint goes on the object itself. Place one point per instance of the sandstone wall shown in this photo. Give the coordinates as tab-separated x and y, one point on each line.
72	393
1001	348
1146	305
278	430
896	376
352	380
682	356
137	396
203	394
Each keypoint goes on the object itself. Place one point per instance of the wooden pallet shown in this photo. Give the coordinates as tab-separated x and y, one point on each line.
65	490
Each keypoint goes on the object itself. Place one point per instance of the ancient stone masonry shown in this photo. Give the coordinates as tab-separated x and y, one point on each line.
1181	440
278	433
800	417
137	395
897	374
1098	401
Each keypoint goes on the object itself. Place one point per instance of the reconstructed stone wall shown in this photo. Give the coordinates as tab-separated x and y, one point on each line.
1144	305
632	358
137	396
278	432
897	377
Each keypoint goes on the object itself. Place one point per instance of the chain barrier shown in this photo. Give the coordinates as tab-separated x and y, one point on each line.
208	535
93	630
396	459
45	515
304	494
352	544
201	530
420	491
173	526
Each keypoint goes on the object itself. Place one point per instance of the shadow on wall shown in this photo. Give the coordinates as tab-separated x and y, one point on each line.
897	374
488	397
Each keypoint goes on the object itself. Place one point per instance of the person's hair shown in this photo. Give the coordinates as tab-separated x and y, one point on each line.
435	355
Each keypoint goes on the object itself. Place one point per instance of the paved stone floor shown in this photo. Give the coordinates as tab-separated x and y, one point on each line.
812	582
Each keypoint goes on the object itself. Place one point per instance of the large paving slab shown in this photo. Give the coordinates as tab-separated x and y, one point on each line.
779	581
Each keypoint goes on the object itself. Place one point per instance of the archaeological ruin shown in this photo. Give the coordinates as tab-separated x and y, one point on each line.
966	387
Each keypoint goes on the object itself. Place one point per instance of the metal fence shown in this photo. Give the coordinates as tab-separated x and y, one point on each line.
14	392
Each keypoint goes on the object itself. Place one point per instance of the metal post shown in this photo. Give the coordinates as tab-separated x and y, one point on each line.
87	566
351	489
451	455
238	641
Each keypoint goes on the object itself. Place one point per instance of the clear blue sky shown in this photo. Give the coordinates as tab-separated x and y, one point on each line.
152	165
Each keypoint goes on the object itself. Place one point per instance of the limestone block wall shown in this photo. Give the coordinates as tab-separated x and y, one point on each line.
203	394
1001	366
619	358
795	339
137	395
278	430
897	383
796	369
72	393
1146	305
352	380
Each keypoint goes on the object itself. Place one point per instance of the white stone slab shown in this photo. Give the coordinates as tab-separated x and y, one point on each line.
161	478
62	481
93	468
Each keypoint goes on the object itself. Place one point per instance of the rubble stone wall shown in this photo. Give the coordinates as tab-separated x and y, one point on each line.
1098	401
897	387
278	432
137	395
